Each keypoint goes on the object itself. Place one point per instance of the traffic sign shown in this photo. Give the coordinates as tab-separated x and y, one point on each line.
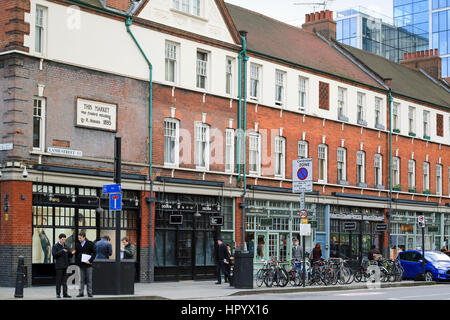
112	188
304	221
115	202
216	221
421	221
302	175
303	214
349	226
381	227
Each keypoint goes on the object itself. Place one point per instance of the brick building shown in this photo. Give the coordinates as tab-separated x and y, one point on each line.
75	74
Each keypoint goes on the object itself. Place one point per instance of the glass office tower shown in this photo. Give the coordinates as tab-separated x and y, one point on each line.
429	19
373	32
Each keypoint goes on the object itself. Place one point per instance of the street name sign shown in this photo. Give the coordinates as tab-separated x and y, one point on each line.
112	188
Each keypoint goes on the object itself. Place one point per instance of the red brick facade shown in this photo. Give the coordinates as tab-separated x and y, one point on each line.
13	27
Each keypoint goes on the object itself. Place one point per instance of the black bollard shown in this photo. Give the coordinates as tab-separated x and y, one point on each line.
20	278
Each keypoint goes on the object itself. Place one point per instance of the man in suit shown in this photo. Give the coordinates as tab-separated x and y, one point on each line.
61	253
84	246
104	248
297	254
222	257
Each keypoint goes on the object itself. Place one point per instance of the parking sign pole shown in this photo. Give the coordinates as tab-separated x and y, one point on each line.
423	251
117	179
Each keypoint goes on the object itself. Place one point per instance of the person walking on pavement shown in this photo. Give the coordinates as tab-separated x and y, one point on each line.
61	253
222	256
83	249
297	254
129	249
103	248
316	253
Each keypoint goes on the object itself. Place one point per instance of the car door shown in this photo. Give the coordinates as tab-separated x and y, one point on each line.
404	258
415	265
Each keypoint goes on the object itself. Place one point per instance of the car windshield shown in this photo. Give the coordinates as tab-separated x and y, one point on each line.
437	256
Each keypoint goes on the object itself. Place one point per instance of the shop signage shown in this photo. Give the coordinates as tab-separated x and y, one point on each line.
96	115
381	227
65	152
406	228
266	222
302	175
356	217
433	228
176	219
255	210
349	226
6	146
216	221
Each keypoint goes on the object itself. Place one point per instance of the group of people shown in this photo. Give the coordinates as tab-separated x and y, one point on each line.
85	252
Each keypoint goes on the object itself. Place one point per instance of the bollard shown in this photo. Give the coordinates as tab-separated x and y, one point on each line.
20	278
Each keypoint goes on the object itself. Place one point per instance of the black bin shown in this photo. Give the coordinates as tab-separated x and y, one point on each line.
103	277
243	270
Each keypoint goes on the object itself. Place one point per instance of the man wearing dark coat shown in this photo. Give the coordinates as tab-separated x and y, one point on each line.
61	253
222	257
84	246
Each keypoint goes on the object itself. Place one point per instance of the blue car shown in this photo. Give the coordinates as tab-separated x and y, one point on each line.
437	265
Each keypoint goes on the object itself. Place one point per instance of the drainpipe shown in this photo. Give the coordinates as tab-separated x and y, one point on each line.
243	56
128	23
390	171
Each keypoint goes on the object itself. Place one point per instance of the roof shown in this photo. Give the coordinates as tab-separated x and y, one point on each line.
285	42
405	81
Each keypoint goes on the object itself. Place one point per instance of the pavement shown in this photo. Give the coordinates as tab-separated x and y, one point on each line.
191	290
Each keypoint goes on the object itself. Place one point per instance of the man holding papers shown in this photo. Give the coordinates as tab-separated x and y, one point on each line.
84	256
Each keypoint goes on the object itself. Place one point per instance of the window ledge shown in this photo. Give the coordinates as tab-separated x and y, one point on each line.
343	182
427	137
396	131
343	118
379	186
379	126
362	123
361	185
188	15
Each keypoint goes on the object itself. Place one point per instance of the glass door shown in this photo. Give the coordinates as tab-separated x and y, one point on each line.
185	254
273	246
261	246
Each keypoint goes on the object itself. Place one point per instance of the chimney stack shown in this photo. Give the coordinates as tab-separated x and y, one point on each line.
321	22
428	60
121	5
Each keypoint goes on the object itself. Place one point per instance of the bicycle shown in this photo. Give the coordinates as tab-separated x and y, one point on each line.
263	275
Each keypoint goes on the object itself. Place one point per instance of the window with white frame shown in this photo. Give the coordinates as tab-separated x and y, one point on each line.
395	171
302	93
411	174
171	61
202	69
280	156
438	179
378	111
426	176
341	164
202	146
279	87
411	120
39	124
302	149
255	153
188	6
40	29
342	102
255	81
378	164
171	142
360	166
322	162
229	75
426	123
361	97
396	116
229	150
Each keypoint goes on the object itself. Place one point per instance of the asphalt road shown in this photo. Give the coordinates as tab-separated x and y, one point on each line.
433	292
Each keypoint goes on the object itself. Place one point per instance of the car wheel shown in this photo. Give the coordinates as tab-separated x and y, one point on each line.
428	276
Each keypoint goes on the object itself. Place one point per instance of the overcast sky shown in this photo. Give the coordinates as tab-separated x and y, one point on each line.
286	11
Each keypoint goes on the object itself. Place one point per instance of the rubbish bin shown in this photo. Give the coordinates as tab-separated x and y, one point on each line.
243	270
104	274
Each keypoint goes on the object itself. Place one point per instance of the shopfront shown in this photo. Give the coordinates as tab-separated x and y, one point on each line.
272	227
70	209
354	244
185	236
406	235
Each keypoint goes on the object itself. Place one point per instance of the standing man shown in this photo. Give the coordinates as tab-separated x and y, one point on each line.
128	248
222	257
61	253
85	255
297	254
104	248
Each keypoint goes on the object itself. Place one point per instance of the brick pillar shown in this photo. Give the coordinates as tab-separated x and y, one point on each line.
145	207
15	230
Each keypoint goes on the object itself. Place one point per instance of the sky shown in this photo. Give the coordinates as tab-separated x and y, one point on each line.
286	11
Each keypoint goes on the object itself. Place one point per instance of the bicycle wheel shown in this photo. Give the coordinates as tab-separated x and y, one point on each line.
332	279
282	277
260	277
350	277
358	276
269	277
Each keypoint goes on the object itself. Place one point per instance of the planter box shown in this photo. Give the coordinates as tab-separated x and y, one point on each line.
412	134
396	130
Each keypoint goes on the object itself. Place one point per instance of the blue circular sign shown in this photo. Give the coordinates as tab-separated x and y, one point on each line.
302	173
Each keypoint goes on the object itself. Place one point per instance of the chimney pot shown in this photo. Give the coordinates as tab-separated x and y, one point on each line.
405	56
317	16
436	52
409	55
413	55
427	53
322	15
307	17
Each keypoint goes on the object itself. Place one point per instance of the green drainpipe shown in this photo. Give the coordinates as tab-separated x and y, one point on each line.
128	23
390	170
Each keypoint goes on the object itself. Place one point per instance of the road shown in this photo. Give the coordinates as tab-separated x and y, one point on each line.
433	292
